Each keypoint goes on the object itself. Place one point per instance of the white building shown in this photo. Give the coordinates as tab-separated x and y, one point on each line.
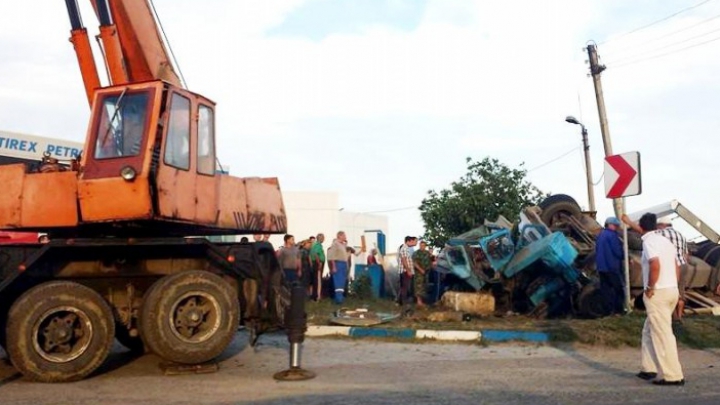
313	212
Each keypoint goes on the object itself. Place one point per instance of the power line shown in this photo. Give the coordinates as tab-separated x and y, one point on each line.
664	54
665	47
554	159
599	180
656	22
632	47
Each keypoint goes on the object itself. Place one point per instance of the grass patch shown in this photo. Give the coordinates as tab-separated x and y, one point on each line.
697	331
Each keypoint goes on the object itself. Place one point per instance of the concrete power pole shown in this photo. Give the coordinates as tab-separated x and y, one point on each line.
618	203
595	70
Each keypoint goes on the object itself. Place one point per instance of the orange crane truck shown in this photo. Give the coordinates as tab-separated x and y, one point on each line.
128	255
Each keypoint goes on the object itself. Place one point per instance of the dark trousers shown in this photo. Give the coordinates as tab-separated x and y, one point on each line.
405	288
290	276
613	291
316	281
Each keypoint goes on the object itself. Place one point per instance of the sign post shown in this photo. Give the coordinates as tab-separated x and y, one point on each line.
622	179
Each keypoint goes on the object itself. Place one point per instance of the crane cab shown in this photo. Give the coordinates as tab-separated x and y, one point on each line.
148	168
150	160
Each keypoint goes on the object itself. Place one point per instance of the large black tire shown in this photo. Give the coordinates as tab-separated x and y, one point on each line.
59	331
703	249
556	206
592	303
712	257
189	317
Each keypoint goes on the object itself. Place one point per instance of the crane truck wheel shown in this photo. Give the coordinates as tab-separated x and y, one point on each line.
555	206
59	331
189	317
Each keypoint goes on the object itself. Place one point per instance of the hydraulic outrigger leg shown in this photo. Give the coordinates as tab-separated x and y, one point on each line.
295	323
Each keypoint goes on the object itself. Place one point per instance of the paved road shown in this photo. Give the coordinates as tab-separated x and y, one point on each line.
371	372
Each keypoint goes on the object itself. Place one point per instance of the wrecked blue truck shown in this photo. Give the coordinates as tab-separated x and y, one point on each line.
541	266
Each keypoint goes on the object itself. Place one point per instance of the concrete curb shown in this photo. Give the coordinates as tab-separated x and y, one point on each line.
452	335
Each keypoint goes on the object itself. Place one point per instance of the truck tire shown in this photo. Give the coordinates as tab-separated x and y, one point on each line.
591	302
712	257
59	331
555	206
703	249
189	317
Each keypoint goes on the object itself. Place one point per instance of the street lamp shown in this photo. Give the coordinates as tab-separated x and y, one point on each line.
588	169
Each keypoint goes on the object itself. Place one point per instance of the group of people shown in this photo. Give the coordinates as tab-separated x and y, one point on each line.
413	267
664	261
305	262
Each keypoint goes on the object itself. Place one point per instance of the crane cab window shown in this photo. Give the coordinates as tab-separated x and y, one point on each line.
122	125
177	143
206	141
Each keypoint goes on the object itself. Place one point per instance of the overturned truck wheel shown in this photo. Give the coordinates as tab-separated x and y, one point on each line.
189	317
556	206
592	303
59	331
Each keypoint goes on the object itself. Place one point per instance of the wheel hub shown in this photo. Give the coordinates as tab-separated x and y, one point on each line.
195	317
62	334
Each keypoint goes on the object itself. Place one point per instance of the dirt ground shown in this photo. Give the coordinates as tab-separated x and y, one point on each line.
373	372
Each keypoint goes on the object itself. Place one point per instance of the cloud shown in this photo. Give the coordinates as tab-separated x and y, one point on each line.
391	108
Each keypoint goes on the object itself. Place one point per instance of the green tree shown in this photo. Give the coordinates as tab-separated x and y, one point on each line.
488	190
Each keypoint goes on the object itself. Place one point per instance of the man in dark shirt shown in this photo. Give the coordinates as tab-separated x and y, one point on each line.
608	263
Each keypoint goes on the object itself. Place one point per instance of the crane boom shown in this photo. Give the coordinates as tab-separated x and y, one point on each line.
133	49
143	51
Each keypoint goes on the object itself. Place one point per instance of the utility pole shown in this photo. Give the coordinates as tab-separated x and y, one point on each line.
588	167
618	203
595	70
588	171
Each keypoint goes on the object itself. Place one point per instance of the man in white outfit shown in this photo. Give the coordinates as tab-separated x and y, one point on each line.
661	272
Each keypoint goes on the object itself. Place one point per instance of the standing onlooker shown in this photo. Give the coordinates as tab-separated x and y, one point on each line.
405	268
422	261
337	258
289	258
665	229
317	258
372	257
306	265
660	272
608	263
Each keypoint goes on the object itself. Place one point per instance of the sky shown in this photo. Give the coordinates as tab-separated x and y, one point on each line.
382	100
